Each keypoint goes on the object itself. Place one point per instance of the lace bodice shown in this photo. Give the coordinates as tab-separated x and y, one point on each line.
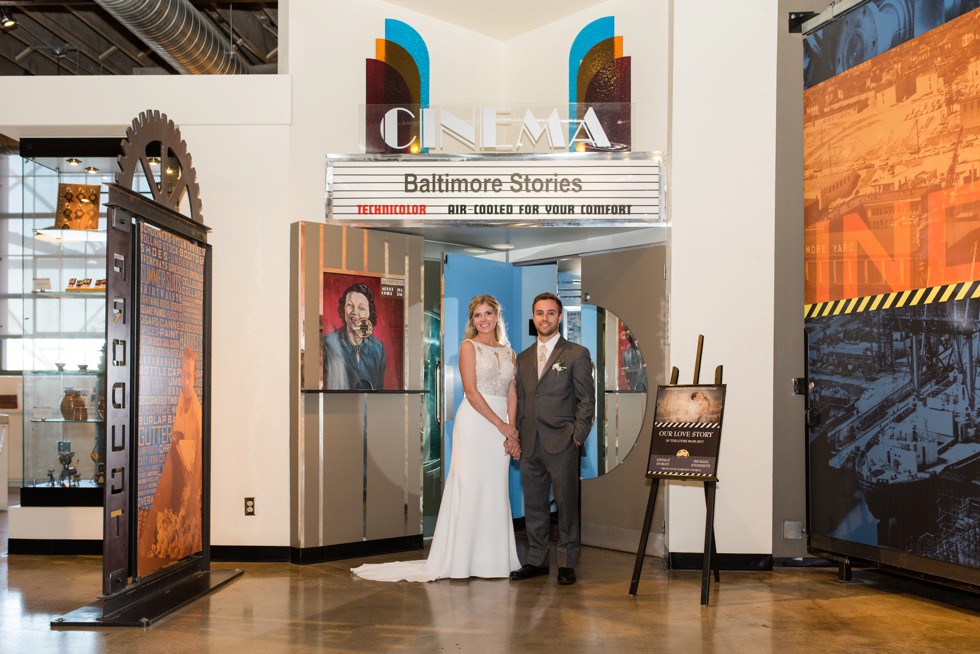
494	369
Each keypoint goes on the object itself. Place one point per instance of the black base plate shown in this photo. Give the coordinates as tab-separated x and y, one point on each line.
154	607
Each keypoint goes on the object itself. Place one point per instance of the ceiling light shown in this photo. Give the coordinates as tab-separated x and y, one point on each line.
7	19
475	251
153	161
72	161
502	246
91	170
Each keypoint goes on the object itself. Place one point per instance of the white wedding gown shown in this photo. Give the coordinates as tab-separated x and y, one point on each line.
474	535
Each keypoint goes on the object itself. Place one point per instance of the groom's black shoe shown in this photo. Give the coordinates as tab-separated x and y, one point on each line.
566	576
528	571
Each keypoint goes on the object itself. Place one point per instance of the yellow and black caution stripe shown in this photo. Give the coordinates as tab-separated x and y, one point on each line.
896	300
707	476
687	425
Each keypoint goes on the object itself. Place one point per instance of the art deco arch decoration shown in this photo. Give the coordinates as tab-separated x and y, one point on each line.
398	75
599	73
155	160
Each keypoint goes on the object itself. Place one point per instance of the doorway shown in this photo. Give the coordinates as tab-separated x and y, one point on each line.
629	353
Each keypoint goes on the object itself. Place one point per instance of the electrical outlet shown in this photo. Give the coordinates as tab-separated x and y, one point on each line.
792	530
249	506
799	386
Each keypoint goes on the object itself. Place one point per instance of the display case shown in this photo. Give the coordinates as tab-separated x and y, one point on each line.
64	411
62	352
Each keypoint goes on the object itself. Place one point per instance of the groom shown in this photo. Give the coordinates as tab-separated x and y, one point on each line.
556	406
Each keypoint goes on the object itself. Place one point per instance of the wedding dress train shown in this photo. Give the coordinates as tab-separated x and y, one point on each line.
474	534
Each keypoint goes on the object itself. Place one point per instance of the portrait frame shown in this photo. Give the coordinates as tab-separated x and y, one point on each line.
361	366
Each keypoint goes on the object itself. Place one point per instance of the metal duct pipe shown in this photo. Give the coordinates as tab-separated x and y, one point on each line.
178	33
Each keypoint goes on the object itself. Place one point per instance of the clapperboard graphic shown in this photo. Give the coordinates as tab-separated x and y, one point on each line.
687	432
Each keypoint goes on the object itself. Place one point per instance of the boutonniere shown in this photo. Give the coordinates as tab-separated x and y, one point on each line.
559	367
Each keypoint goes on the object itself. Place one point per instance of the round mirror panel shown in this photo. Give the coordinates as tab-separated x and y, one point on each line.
621	387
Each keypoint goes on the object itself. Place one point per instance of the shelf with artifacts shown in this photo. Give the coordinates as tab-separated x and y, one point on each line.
58	295
63	345
64	430
56	336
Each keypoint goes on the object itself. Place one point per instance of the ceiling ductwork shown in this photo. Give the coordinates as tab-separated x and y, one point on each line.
176	31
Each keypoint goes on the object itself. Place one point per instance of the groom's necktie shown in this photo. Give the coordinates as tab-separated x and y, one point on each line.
542	357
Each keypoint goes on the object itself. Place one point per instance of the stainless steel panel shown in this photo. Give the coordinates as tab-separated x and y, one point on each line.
342	468
615	503
393	466
356	458
311	520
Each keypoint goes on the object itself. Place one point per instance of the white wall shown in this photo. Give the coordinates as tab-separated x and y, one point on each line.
250	343
536	63
722	239
259	143
29	106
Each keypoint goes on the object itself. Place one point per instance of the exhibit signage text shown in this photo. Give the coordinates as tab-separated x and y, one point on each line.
606	188
588	130
519	183
412	129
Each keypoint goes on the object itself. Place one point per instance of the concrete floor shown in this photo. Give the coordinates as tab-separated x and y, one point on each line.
279	607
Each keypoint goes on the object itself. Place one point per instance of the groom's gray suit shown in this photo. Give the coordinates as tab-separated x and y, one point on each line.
554	412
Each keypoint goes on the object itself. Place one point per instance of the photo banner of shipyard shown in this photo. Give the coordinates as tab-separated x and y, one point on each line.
606	189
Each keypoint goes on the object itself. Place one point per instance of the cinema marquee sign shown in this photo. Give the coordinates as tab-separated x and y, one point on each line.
411	129
601	189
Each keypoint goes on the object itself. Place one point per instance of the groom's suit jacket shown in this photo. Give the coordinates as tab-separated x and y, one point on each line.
560	406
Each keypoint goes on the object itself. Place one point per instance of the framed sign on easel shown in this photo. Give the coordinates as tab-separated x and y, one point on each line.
686	432
684	446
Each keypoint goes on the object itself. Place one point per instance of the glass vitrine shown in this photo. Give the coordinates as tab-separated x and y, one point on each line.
62	317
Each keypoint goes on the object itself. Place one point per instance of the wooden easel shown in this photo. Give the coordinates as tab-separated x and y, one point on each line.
710	551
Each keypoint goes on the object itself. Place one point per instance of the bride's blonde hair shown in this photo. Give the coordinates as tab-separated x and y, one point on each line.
499	333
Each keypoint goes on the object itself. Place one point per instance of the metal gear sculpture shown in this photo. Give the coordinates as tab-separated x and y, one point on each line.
155	160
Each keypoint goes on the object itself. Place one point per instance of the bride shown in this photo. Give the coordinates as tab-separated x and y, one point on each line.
474	535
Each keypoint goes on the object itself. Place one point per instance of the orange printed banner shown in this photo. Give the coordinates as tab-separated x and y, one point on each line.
892	169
